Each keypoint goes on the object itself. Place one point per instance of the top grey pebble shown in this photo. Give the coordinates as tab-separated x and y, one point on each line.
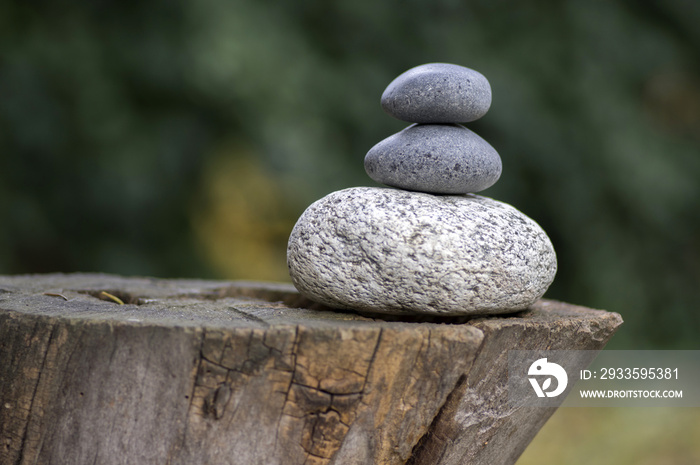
438	93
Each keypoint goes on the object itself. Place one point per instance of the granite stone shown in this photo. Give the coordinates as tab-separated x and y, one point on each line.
398	252
438	93
434	158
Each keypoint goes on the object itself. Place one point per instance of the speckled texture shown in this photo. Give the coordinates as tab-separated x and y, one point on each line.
434	158
438	93
391	251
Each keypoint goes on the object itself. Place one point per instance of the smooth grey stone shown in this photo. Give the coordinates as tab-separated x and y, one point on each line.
398	252
438	93
434	158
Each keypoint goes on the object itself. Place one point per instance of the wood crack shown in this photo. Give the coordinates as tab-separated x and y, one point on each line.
249	316
431	431
31	413
190	399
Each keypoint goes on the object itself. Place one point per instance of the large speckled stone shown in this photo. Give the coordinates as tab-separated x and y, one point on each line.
438	93
434	158
397	252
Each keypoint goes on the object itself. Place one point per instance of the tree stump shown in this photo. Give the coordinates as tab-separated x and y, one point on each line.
112	370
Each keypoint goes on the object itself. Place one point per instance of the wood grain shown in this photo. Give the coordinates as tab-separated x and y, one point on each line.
217	372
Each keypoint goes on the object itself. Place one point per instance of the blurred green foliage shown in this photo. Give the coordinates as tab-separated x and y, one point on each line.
617	436
184	138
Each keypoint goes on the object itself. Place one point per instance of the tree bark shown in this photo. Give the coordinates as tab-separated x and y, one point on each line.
214	372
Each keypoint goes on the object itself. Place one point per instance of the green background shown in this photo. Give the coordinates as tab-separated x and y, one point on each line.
183	138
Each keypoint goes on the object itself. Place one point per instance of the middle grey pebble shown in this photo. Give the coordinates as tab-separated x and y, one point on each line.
434	158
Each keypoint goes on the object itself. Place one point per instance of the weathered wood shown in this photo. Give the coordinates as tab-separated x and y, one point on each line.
251	373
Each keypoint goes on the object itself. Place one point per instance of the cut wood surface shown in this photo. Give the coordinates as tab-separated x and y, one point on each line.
102	369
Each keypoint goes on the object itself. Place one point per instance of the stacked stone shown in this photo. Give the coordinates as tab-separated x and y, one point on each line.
436	155
431	246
